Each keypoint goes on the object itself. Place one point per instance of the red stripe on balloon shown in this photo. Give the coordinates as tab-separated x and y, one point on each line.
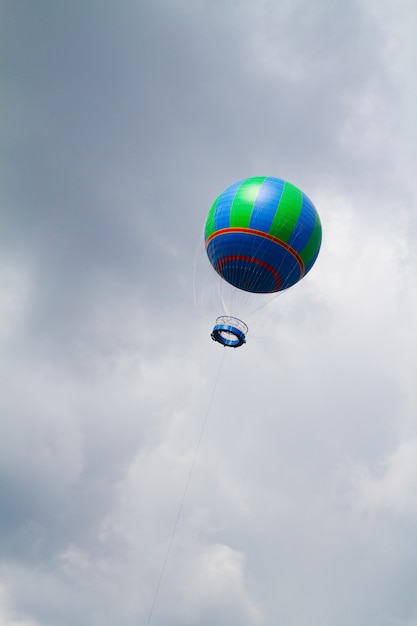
250	259
260	233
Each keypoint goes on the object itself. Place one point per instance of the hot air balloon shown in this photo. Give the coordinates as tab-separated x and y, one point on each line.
262	235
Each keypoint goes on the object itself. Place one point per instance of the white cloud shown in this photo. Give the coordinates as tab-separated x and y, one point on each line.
7	617
394	487
216	584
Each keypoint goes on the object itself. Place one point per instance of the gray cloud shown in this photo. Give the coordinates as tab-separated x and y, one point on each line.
121	125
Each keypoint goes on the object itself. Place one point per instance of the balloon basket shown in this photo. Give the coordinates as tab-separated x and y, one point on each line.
229	331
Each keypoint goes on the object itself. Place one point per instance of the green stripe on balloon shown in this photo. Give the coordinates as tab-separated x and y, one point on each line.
310	250
243	202
287	213
210	219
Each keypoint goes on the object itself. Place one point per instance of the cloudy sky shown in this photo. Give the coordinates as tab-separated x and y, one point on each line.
122	121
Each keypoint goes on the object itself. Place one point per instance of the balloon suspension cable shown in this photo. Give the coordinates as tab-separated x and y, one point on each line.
187	484
229	331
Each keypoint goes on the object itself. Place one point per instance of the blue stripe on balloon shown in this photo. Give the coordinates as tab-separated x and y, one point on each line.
224	206
304	226
266	204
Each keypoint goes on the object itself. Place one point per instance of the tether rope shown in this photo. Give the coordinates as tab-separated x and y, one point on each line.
181	506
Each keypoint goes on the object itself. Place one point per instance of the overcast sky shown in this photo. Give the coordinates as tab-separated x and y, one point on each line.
121	123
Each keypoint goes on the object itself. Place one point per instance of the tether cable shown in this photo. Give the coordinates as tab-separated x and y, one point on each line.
187	484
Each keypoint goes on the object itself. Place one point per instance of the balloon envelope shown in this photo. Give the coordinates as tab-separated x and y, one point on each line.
262	234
